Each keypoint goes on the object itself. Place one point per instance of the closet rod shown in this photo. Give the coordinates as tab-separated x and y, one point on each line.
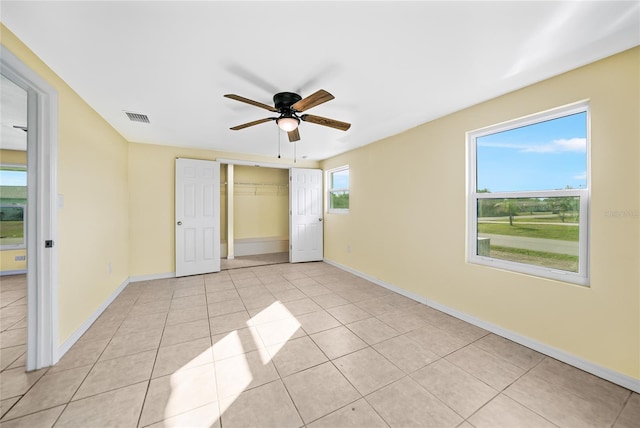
259	184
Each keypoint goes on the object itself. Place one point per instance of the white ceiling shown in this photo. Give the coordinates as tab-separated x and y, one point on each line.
390	65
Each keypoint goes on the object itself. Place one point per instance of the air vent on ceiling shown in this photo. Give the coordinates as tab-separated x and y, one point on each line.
137	117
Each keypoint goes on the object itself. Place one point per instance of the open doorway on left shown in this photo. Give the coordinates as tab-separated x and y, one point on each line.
13	225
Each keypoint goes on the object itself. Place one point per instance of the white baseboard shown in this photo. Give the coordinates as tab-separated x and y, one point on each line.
573	360
140	278
401	291
13	272
89	321
611	375
252	246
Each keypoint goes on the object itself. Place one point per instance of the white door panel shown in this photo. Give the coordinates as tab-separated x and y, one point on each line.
197	217
306	232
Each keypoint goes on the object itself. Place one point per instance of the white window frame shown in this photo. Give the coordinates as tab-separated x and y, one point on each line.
331	190
582	276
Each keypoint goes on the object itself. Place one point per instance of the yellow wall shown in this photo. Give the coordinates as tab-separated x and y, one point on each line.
92	177
15	157
8	260
261	198
151	204
407	219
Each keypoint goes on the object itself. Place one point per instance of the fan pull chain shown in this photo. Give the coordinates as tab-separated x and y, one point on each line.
279	135
295	156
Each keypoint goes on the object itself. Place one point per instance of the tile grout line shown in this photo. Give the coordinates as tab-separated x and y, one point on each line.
72	395
213	358
94	364
502	392
624	405
155	360
332	361
329	360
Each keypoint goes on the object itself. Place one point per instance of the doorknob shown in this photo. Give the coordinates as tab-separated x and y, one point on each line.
179	223
319	219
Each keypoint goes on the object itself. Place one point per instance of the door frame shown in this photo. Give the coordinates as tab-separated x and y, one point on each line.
230	246
42	218
276	166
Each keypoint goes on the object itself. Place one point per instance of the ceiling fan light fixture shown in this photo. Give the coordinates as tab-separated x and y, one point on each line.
288	123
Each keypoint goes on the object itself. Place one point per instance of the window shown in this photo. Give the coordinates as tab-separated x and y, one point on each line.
529	194
338	193
13	201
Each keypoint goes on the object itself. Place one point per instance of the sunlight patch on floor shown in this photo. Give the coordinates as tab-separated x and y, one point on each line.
273	326
191	388
230	345
199	397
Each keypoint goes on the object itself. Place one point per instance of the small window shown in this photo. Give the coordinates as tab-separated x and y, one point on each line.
338	189
528	194
13	201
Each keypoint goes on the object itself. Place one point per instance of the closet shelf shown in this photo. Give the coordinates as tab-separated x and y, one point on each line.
260	189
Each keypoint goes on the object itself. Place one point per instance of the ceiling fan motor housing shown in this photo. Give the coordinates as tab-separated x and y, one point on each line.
284	100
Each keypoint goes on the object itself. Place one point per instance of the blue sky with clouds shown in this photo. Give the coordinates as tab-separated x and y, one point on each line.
544	156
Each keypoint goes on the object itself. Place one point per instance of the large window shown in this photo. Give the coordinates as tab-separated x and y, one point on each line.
338	189
528	194
13	201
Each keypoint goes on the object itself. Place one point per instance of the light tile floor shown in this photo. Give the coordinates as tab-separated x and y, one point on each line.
291	346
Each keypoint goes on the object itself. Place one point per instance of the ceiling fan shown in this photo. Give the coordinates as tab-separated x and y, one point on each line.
288	105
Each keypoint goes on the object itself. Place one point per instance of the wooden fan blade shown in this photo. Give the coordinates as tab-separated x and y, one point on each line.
293	135
253	103
255	122
319	120
312	100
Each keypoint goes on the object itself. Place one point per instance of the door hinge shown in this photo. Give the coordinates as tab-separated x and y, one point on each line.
48	243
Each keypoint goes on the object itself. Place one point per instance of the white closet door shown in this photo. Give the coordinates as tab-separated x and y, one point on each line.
306	232
197	225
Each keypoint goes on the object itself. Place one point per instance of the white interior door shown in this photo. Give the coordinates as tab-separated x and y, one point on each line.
197	217
305	196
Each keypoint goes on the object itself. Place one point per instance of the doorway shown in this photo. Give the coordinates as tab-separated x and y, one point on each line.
13	225
304	201
41	215
254	215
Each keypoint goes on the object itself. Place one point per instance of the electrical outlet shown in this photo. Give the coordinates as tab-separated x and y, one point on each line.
109	268
349	248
